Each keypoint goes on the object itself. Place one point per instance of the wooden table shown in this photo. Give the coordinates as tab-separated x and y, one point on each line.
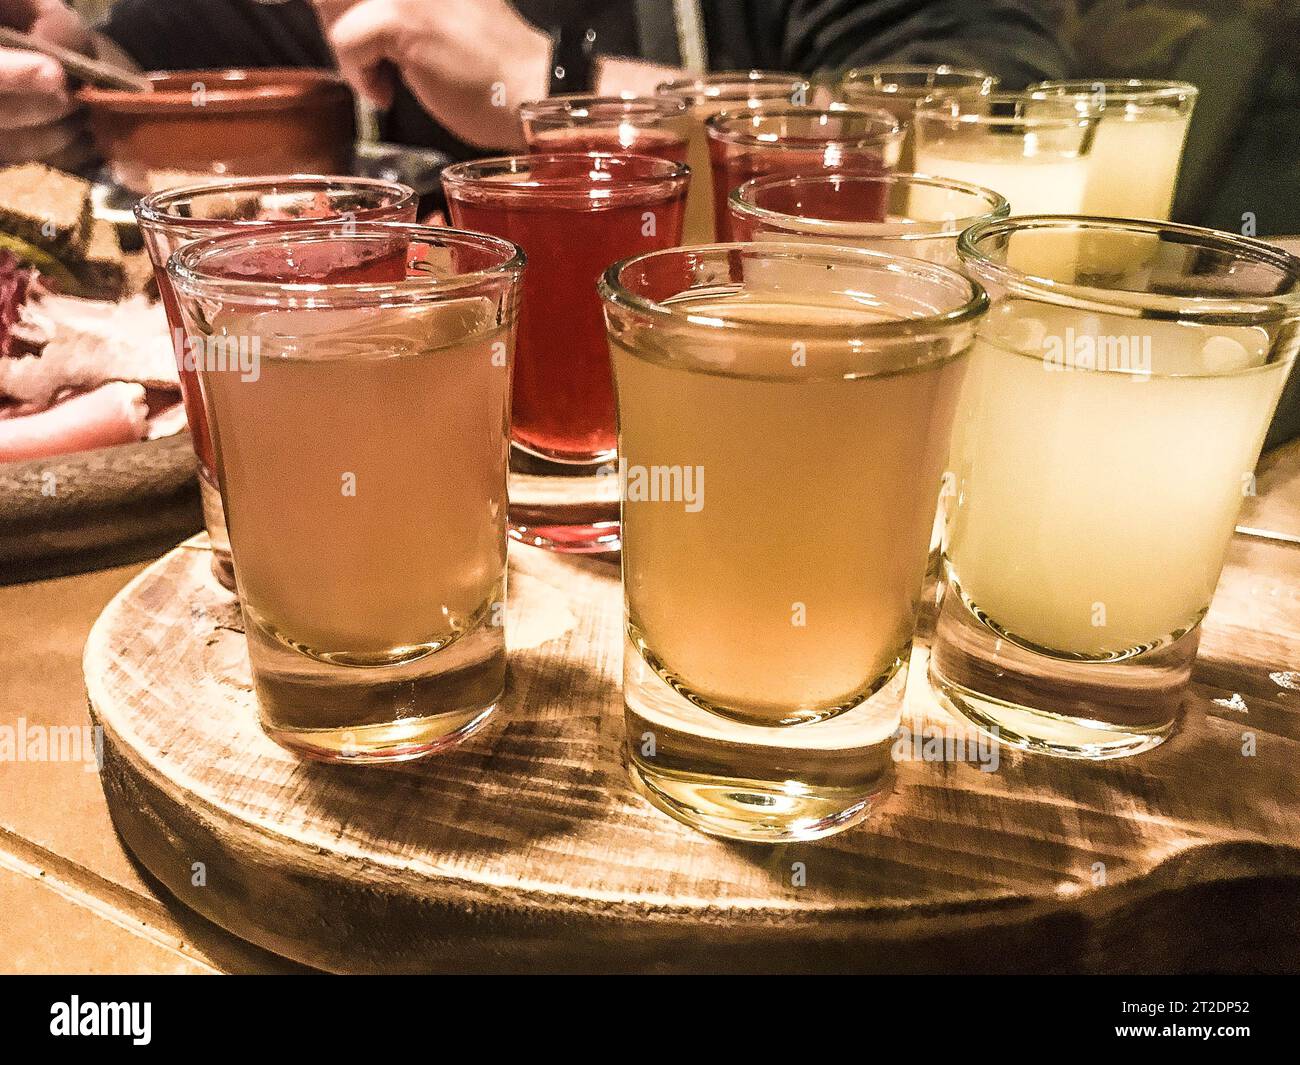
71	900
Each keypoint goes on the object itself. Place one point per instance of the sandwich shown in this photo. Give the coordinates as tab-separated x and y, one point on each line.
46	223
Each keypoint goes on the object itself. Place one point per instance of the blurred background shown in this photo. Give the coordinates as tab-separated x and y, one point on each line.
1243	152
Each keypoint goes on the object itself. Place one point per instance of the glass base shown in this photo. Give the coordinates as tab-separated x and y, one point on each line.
751	811
579	538
565	507
397	741
754	783
383	712
1062	707
214	521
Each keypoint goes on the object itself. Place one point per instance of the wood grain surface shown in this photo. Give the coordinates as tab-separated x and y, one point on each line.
72	900
1274	509
527	849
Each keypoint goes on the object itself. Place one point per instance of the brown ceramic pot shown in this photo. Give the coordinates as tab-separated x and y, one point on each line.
242	123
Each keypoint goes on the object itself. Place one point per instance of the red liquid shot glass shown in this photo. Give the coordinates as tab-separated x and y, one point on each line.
755	143
637	125
573	215
175	217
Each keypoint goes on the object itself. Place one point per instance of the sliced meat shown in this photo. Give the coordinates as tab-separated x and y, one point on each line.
14	284
112	414
89	343
167	421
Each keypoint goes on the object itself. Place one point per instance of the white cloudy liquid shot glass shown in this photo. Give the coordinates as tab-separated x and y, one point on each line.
1114	409
1141	131
1033	151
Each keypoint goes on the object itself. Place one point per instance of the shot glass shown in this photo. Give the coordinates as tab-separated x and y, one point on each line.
901	89
749	144
174	217
573	214
1141	131
361	455
1033	151
640	125
1114	410
910	215
704	97
784	413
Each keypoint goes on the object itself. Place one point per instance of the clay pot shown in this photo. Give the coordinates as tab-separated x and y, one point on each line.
241	123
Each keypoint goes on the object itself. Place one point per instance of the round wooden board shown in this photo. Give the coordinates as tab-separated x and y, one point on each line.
527	848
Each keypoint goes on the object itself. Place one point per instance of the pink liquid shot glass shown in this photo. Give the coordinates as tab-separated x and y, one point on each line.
749	144
174	217
639	125
573	215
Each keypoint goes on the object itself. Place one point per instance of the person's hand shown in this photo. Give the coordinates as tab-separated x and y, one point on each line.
470	63
36	111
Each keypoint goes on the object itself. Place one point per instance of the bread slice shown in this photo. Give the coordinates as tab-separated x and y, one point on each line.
102	266
45	207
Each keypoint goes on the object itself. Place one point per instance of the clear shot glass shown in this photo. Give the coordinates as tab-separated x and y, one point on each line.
704	97
749	144
911	215
639	125
356	381
176	216
901	89
1114	409
784	412
573	214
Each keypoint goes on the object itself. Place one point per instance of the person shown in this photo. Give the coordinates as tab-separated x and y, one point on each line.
449	76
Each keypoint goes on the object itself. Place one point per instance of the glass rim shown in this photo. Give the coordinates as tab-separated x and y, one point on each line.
462	175
948	110
184	267
153	208
1151	91
694	88
717	126
613	291
1207	310
999	206
868	75
566	104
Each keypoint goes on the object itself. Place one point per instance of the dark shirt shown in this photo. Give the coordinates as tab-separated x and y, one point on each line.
1014	39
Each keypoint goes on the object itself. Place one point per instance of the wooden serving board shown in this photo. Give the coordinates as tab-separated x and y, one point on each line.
527	848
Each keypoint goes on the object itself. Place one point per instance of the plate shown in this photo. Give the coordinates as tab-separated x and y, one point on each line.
112	505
